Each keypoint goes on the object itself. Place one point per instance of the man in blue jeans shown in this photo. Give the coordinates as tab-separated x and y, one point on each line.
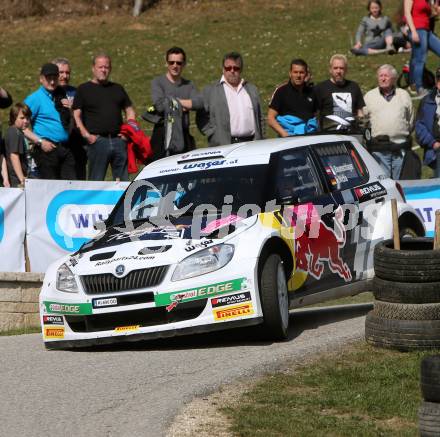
97	109
428	127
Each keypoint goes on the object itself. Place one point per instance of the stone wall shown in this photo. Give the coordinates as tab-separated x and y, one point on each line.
19	300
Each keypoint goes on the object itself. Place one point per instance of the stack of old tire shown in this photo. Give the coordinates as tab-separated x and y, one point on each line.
429	411
406	314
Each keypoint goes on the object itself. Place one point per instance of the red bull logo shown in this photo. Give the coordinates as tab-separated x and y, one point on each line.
316	243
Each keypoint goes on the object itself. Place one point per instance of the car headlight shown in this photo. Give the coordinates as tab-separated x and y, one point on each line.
206	261
66	280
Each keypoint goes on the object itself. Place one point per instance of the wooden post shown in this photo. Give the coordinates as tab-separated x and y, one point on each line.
437	230
27	263
137	7
396	235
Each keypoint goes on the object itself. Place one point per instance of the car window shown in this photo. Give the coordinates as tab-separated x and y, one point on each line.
296	176
189	191
342	165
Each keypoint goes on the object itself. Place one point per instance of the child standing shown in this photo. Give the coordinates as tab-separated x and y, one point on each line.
16	151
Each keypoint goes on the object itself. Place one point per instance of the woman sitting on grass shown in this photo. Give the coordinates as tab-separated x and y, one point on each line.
376	30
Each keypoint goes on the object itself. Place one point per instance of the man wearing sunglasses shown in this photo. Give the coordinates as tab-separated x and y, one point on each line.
232	109
173	97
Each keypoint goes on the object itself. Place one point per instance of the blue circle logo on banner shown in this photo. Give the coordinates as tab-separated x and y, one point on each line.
71	215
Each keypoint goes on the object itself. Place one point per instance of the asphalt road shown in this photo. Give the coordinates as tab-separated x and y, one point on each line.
137	389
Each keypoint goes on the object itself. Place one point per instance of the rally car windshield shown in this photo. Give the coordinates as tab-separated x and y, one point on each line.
175	195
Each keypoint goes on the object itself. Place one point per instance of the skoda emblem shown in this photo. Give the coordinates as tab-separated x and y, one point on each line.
120	269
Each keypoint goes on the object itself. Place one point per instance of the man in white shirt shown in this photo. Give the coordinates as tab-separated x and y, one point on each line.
391	115
232	109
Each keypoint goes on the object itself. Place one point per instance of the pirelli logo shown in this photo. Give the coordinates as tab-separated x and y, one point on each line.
127	328
233	312
53	332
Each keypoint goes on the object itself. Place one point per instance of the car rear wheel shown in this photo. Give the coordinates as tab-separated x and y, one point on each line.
274	298
408	233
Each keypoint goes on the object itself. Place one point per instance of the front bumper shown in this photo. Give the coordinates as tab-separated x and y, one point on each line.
74	320
69	344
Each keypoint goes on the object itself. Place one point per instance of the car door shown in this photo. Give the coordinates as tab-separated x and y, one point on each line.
308	209
345	171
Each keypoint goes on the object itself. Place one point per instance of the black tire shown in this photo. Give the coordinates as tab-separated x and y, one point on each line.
429	419
406	292
407	276
415	262
413	251
430	378
274	298
405	311
402	335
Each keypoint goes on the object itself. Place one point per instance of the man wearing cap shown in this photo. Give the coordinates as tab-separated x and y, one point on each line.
97	109
391	115
232	109
428	127
50	122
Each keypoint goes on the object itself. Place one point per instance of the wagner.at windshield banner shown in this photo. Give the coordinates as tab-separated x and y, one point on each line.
12	230
60	216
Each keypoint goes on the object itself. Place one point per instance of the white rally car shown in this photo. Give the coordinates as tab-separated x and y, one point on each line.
226	237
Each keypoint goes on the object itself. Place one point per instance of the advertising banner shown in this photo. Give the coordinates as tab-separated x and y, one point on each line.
60	216
12	230
424	196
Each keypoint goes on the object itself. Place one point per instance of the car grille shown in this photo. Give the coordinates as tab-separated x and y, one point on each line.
143	317
136	279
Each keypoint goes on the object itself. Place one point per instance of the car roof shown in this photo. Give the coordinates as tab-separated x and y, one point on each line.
243	150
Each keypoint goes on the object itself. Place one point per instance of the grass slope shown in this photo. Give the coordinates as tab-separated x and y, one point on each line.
361	392
268	34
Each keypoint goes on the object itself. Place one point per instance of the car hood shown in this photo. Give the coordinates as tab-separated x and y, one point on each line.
142	246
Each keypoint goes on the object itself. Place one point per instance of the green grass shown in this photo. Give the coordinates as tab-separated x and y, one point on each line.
20	331
268	34
361	392
366	297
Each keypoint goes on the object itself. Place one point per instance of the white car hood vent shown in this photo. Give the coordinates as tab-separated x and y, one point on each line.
102	256
154	249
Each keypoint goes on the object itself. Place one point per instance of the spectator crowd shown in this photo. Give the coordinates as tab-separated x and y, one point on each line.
63	132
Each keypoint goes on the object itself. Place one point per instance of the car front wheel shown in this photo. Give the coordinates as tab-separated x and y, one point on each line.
274	298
